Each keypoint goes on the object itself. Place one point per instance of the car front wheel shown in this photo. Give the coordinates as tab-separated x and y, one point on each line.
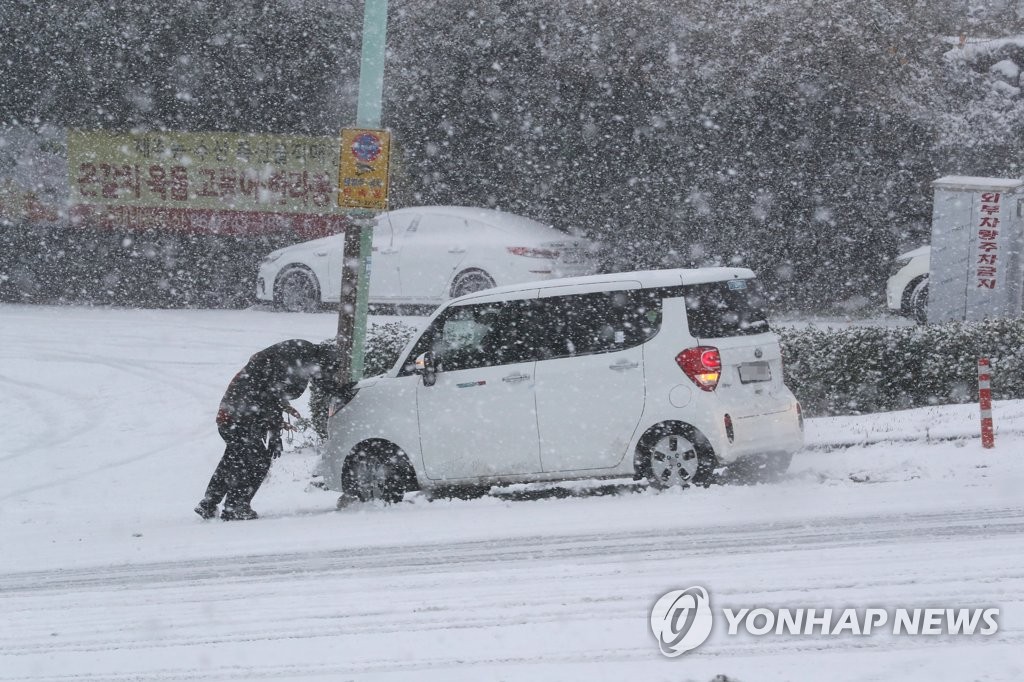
378	471
297	291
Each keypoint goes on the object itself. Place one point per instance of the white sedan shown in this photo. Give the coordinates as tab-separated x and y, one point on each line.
906	292
425	255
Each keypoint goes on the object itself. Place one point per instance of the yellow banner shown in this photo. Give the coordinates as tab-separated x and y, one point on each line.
210	171
363	179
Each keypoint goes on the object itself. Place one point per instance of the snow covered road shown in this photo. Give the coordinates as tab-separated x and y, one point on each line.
105	573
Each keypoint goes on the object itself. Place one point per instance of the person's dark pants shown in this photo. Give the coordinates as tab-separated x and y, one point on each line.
243	467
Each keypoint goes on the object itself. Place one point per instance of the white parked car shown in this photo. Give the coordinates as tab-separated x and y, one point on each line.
906	292
660	375
426	255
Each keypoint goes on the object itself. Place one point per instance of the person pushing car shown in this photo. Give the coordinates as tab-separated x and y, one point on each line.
250	420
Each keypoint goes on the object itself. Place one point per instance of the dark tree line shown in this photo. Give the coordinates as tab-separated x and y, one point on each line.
796	137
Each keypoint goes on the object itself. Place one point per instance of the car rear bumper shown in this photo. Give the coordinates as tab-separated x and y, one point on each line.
896	286
894	292
538	269
572	270
761	434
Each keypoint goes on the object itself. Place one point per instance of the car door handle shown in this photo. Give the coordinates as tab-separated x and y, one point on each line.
389	251
623	365
515	378
321	253
456	249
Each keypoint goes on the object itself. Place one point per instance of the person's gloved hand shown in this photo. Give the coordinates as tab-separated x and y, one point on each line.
274	445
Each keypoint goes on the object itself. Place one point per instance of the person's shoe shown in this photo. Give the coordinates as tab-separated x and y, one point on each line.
241	512
346	500
206	508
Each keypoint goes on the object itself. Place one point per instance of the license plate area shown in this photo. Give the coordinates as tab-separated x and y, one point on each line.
755	372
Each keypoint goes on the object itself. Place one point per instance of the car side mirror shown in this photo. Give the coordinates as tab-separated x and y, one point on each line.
426	367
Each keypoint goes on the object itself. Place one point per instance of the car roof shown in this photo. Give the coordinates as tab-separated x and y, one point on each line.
506	222
489	216
647	279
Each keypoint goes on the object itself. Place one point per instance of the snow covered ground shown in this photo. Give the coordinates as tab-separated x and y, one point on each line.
106	574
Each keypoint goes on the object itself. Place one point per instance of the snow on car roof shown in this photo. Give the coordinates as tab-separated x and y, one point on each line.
647	279
521	226
507	222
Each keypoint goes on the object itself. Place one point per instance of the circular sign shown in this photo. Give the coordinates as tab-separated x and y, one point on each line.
366	147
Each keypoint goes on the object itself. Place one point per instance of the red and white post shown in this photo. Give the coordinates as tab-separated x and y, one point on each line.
985	400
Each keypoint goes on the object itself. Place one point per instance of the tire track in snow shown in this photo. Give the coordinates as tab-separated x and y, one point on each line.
58	429
93	421
782	536
105	612
627	657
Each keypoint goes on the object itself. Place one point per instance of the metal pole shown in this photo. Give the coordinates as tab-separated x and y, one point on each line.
347	312
371	67
352	308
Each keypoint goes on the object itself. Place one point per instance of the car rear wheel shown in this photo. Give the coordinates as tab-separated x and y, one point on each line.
378	471
676	455
297	291
471	281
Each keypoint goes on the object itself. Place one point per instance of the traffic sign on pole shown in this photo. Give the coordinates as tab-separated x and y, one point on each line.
363	179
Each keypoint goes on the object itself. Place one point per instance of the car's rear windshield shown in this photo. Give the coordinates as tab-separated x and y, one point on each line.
732	307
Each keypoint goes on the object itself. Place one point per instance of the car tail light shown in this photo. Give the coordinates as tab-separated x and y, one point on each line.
532	252
800	416
703	365
729	431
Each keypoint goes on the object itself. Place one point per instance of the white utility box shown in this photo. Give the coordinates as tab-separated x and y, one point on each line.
976	249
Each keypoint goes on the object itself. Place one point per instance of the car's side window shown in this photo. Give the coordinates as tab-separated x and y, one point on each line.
490	334
423	344
478	335
464	337
568	326
436	226
389	228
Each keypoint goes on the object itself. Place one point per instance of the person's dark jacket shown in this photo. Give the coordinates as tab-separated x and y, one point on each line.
259	393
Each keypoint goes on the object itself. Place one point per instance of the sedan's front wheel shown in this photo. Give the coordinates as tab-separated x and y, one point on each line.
297	291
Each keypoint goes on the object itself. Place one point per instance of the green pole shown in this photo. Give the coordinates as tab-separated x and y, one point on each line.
368	115
371	67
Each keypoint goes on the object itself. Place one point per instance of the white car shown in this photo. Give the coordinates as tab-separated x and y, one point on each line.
906	291
659	375
426	255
